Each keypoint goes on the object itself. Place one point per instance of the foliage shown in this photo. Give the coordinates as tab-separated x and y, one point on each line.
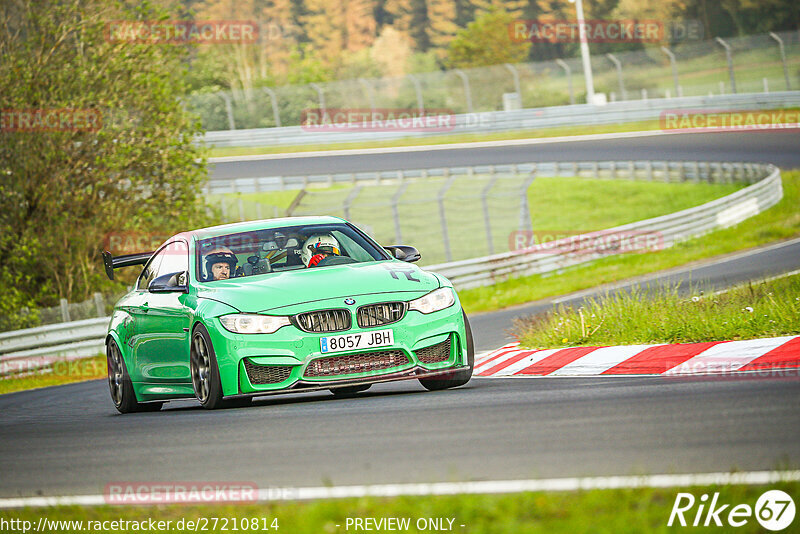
392	51
63	191
486	41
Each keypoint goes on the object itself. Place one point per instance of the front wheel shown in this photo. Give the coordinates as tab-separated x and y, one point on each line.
205	374
204	370
458	378
120	385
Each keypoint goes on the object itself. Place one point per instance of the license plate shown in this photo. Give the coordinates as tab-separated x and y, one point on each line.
365	340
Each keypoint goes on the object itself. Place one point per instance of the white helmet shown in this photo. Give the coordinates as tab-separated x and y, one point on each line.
319	244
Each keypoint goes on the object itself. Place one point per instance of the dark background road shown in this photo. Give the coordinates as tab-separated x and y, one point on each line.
69	440
781	147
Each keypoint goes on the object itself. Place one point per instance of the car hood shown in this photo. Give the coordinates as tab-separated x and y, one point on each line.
267	292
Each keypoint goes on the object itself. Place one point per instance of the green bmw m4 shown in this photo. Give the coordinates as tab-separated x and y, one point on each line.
229	313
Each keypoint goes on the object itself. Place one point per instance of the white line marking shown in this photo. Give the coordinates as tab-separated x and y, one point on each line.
498	356
481	356
536	357
461	488
728	356
599	360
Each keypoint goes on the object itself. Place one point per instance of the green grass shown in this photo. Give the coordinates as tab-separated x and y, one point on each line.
780	222
273	203
662	315
564	205
592	511
596	204
59	373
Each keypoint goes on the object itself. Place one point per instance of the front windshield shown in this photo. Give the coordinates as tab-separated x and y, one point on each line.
310	246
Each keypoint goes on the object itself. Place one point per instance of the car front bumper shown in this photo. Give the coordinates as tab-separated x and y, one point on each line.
284	361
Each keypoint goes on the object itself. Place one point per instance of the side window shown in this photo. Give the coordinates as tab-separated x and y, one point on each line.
176	259
149	271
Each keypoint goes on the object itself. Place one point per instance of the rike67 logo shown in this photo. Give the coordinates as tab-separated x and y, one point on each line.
774	510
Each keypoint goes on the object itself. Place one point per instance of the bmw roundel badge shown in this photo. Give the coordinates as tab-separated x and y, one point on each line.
349	301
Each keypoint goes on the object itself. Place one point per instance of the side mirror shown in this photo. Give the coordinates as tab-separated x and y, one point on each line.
170	283
404	253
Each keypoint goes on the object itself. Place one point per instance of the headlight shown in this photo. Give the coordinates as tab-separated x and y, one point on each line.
241	323
434	301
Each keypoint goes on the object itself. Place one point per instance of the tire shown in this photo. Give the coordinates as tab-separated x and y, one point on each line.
205	374
349	391
120	386
458	378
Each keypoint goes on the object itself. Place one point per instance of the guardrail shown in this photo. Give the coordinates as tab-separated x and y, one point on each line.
31	349
506	121
723	212
27	350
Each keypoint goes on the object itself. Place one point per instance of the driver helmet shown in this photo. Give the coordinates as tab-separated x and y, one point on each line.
220	255
319	244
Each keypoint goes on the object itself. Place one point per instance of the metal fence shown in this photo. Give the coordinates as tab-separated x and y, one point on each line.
26	351
457	213
100	305
755	64
721	213
504	121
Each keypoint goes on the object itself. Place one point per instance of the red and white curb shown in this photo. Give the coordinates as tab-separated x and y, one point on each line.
778	356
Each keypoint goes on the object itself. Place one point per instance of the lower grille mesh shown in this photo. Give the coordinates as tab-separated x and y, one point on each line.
435	353
266	374
356	363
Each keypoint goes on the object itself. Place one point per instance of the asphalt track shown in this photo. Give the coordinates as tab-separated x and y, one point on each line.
69	440
781	147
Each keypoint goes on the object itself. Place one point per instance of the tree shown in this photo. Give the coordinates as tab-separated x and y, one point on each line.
486	41
63	191
361	25
442	26
392	51
325	26
514	8
410	17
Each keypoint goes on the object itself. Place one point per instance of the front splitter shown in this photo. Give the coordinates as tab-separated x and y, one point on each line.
303	386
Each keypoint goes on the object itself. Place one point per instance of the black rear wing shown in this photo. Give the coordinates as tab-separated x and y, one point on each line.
126	260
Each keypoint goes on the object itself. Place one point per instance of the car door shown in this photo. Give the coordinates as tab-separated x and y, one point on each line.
163	351
135	306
